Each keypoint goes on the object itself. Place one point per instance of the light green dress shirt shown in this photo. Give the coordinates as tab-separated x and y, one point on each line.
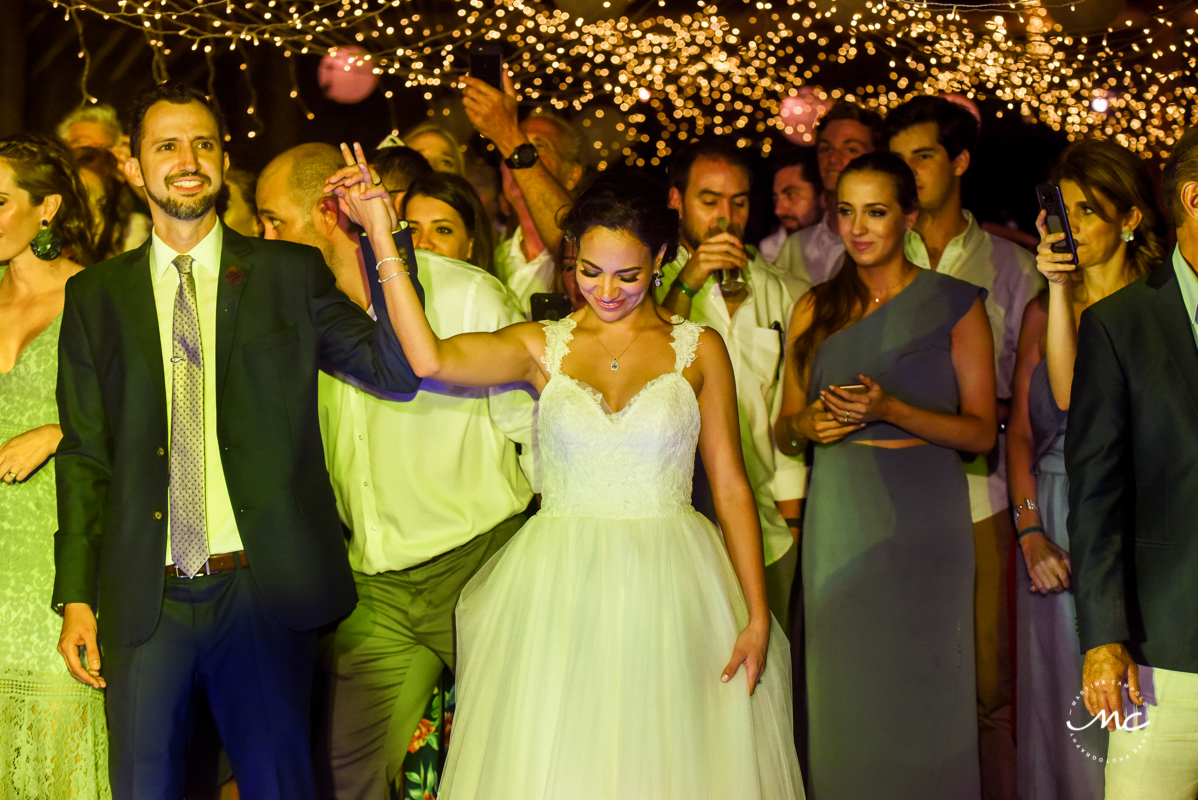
223	536
523	277
419	474
1187	281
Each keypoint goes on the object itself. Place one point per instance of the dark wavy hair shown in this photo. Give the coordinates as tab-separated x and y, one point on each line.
176	93
457	193
838	302
1124	179
631	201
43	167
957	129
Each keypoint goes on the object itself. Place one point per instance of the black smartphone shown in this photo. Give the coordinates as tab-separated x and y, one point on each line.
550	306
1056	219
486	63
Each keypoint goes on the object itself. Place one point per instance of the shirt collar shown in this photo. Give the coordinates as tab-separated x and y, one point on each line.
1187	281
206	254
917	252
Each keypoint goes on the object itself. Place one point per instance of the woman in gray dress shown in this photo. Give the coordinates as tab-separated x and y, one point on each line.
892	374
1109	197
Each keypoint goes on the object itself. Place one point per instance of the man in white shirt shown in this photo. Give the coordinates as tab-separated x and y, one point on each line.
798	198
709	187
542	164
936	137
427	484
845	132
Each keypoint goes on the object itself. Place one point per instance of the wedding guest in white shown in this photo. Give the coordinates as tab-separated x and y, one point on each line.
718	281
427	484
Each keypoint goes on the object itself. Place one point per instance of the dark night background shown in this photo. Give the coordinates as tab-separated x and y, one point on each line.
40	72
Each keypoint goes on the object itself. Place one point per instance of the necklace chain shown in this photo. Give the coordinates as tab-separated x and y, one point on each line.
878	294
615	360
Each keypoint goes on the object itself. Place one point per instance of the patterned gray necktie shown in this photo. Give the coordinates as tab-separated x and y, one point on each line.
189	526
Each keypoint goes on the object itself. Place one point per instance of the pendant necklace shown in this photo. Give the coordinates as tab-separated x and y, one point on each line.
886	290
615	360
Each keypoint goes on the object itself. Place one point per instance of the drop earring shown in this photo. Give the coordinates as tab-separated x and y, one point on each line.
46	245
1127	236
657	279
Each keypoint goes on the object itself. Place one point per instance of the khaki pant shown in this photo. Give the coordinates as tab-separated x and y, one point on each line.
993	540
1159	762
384	659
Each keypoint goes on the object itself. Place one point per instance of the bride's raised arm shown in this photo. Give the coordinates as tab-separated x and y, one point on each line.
471	359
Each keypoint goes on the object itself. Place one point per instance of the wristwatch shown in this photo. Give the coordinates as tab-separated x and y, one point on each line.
523	157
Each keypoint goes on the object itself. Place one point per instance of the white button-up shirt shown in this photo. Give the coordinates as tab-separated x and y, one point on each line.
1008	273
417	475
523	277
223	536
755	336
772	244
812	255
1187	281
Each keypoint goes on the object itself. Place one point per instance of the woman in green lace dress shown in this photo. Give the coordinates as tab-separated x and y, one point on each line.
53	742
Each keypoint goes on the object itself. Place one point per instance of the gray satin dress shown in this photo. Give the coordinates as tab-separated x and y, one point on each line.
1054	763
888	568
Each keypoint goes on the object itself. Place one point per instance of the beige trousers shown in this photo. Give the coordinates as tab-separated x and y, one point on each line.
1159	762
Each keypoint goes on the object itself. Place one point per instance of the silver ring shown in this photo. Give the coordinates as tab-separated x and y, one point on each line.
12	474
846	417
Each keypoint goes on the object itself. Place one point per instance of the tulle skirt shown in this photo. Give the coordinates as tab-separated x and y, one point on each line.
589	660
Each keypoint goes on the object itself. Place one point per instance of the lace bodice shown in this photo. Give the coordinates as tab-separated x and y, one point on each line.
632	464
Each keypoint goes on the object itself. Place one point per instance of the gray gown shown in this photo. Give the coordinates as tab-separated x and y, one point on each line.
1054	763
888	569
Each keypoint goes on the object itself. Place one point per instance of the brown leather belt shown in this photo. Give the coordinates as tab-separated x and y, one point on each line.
221	562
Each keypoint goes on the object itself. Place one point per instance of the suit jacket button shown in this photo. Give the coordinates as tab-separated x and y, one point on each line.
157	515
161	451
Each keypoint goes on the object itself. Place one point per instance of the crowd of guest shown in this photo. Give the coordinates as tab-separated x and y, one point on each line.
966	581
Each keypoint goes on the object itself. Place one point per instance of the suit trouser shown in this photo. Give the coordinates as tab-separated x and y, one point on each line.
383	660
1159	762
993	540
779	583
215	633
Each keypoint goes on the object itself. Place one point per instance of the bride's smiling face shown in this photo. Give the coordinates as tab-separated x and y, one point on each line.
614	271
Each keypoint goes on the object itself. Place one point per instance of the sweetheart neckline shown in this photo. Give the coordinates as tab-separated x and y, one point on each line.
601	401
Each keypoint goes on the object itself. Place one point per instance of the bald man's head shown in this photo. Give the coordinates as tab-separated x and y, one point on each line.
290	191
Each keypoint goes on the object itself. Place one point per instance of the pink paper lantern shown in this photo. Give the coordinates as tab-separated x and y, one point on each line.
799	113
345	78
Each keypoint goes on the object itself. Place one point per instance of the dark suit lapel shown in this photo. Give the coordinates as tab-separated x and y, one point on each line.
235	272
137	289
1175	324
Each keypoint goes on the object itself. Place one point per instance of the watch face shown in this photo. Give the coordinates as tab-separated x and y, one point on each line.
523	156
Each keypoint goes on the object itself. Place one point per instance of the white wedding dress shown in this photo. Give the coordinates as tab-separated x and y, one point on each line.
590	648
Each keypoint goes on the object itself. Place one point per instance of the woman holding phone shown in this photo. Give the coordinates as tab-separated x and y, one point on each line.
1109	198
892	374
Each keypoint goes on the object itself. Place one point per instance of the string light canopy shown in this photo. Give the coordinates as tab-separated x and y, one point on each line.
732	70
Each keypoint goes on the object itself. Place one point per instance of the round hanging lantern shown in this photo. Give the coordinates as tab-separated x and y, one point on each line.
345	77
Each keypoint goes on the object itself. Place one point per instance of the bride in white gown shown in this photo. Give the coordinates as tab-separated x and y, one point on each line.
618	646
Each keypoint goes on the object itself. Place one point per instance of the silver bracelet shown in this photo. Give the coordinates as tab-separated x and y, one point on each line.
389	258
393	274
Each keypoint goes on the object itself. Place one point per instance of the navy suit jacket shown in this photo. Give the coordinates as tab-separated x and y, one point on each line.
278	314
1131	451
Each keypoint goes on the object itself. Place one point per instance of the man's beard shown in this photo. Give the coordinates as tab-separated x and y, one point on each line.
190	209
692	237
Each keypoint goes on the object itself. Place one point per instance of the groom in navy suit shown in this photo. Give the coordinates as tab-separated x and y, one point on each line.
195	512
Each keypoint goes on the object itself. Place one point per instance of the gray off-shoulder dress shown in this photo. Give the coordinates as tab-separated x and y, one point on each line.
888	569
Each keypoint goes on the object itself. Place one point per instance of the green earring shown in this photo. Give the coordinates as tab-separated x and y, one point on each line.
46	245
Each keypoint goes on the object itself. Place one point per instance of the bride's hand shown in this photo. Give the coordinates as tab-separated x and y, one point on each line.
750	650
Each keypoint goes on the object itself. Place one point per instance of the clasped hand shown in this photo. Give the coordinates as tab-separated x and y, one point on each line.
838	412
25	452
361	195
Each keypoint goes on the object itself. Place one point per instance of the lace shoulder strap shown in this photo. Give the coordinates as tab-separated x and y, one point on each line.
685	341
557	343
